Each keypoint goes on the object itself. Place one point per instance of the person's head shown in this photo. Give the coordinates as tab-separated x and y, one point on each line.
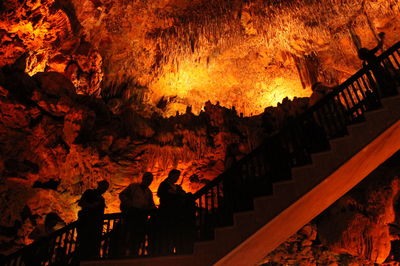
147	179
173	175
51	220
315	86
363	53
102	186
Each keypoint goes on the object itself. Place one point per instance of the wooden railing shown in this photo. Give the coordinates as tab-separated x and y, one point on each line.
57	249
253	175
61	247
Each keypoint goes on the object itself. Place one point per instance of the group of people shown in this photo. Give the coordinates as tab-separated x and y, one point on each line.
144	229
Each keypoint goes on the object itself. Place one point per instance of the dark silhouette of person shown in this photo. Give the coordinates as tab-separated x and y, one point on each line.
52	222
90	221
42	252
137	205
268	120
176	219
319	91
232	155
231	186
383	78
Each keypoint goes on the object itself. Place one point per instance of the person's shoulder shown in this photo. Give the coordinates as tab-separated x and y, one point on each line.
165	183
131	187
89	192
38	232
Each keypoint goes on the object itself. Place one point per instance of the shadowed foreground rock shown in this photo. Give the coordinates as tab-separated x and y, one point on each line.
355	230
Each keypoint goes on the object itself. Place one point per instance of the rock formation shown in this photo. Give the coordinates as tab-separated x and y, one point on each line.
250	54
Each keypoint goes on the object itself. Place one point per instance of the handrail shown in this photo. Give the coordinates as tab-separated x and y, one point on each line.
65	237
309	111
254	174
67	240
309	132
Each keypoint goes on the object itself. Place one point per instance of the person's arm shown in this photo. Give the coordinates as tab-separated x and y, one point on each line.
37	233
123	195
179	190
325	89
88	201
151	203
172	189
380	43
84	200
166	191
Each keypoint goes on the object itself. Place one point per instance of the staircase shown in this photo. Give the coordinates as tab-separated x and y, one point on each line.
295	202
249	210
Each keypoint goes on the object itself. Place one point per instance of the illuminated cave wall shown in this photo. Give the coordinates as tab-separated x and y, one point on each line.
55	144
116	70
242	53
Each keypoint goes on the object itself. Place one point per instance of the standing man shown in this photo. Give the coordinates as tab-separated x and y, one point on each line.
137	205
90	221
176	216
385	81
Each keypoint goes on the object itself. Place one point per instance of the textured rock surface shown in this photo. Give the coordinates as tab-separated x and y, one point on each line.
363	216
250	54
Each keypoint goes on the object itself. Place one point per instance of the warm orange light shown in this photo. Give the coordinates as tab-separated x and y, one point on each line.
194	84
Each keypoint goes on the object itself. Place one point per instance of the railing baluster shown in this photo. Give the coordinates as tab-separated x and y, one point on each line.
395	60
372	95
352	102
372	82
206	201
67	242
218	205
361	90
388	61
335	117
341	114
359	109
346	102
204	214
106	241
72	246
212	205
328	121
251	175
367	88
320	120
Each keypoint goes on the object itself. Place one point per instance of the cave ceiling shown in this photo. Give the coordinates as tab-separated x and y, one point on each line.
247	54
